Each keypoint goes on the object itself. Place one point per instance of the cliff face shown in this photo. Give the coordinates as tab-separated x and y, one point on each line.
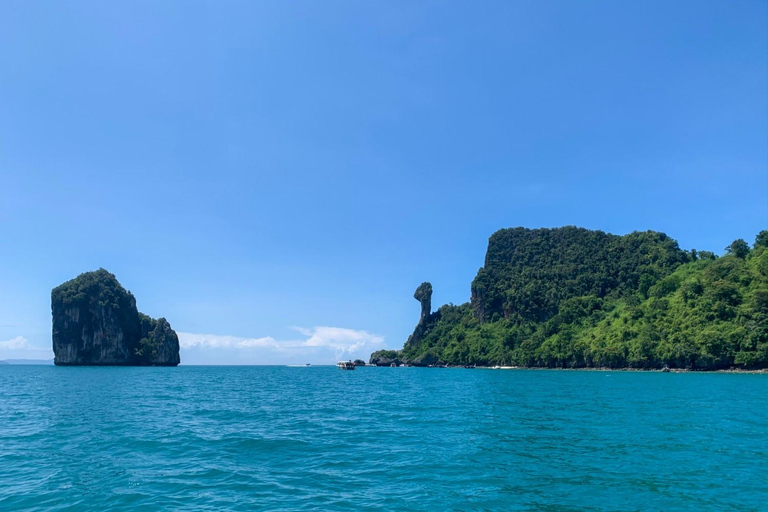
96	322
529	273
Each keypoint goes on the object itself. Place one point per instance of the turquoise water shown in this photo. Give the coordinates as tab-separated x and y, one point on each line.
277	438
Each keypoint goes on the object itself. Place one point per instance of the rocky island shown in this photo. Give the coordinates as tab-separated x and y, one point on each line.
96	323
576	298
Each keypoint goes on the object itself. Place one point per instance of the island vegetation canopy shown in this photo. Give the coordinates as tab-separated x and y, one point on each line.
574	298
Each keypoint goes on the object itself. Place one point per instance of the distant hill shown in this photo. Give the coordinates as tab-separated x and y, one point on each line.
27	361
573	298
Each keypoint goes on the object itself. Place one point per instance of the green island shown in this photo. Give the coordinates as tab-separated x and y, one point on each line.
96	323
576	298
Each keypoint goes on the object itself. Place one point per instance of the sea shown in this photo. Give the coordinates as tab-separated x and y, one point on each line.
246	438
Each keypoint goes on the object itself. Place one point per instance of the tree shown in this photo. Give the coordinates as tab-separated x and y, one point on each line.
738	248
761	240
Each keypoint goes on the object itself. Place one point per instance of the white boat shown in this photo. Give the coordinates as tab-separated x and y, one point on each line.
345	365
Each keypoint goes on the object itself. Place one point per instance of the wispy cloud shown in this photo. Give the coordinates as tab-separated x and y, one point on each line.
190	340
339	338
319	344
17	343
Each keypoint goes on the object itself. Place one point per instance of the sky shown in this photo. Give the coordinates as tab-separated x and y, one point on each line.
276	178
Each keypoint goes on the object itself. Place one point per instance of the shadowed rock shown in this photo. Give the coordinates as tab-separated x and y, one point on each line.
386	358
96	322
423	294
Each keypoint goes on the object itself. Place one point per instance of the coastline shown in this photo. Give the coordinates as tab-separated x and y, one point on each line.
591	369
606	369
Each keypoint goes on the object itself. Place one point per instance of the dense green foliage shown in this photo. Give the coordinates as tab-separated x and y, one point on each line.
98	286
570	297
528	273
152	337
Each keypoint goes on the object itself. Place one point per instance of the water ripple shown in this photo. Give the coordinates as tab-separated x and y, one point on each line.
274	438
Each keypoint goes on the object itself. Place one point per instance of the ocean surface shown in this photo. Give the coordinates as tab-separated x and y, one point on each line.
281	438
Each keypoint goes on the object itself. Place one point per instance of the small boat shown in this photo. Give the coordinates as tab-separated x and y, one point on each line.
393	365
345	365
665	369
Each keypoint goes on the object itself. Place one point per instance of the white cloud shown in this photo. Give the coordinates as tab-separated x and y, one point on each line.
17	343
190	340
20	348
339	338
268	341
320	345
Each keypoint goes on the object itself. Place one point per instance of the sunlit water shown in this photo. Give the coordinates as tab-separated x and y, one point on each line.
277	438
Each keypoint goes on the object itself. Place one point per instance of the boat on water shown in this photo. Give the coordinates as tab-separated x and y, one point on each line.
345	365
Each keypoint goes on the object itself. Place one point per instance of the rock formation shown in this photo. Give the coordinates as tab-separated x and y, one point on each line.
427	319
96	322
159	343
386	358
423	294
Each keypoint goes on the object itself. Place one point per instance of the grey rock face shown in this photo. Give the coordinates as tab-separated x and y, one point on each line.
95	322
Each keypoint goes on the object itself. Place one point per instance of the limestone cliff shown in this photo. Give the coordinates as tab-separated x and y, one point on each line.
576	298
96	322
423	294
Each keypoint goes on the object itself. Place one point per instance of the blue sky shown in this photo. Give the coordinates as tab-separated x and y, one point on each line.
276	178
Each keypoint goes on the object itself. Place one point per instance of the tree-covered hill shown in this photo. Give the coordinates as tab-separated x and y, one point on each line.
572	298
